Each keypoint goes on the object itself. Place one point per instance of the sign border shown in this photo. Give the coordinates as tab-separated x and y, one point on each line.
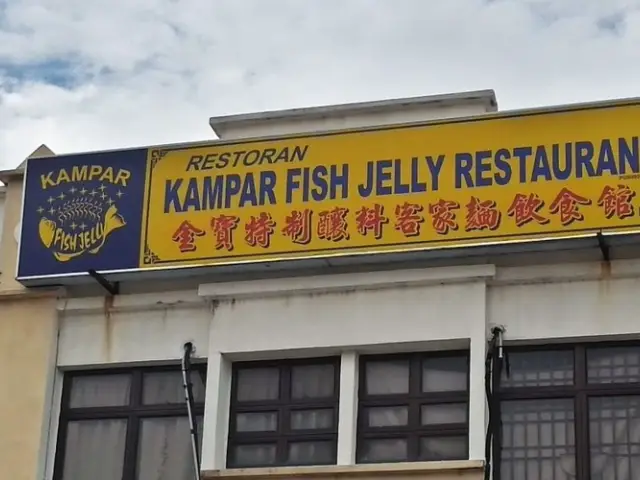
329	252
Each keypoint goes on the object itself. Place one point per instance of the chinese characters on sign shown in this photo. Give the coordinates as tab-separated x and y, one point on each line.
487	180
616	201
338	224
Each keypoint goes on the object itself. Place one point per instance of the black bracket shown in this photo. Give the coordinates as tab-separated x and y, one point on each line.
112	288
604	247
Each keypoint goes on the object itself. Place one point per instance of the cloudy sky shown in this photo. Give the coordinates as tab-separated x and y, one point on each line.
84	75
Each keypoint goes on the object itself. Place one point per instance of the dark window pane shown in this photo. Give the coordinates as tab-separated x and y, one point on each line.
384	450
443	448
310	453
387	416
614	436
312	381
445	374
312	419
165	451
444	413
257	422
255	384
95	449
166	387
387	378
613	365
100	391
538	440
254	455
539	369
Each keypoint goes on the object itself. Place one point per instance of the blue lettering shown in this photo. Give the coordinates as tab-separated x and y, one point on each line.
194	162
267	184
341	181
305	185
558	172
584	157
292	182
192	198
365	189
212	192
231	188
299	153
483	166
540	165
399	187
319	179
383	175
464	163
171	197
629	155
416	185
434	170
522	154
504	175
606	159
223	160
248	194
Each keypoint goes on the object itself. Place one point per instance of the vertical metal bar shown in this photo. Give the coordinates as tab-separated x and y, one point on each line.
188	395
498	360
493	371
487	387
581	416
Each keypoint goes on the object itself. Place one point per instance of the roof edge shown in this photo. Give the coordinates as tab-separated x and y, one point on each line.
486	96
6	176
17	173
514	113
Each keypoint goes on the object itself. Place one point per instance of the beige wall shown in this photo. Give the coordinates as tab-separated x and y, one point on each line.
8	244
28	327
28	333
3	192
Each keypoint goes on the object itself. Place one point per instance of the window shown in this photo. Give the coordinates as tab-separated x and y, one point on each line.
284	413
127	425
571	413
413	407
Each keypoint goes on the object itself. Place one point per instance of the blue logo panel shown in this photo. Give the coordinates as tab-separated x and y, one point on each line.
82	212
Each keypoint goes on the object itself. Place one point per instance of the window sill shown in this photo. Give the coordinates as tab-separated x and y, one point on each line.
333	471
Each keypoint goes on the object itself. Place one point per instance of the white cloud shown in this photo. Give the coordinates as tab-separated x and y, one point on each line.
153	71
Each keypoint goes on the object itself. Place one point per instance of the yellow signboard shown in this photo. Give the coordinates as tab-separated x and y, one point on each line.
404	188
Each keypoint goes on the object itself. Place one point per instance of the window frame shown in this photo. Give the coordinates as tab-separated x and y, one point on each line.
284	405
414	400
134	412
580	391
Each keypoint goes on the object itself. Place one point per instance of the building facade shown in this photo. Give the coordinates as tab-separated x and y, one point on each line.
329	366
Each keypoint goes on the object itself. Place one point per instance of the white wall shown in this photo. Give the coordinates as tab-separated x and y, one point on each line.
346	314
347	319
350	314
568	301
131	329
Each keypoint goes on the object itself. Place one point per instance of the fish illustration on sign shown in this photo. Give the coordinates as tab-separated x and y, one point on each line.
81	210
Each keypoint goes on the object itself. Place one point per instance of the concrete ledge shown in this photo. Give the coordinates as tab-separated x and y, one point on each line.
463	469
30	294
131	303
347	281
574	272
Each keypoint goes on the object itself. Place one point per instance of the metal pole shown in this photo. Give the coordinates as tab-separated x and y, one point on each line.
493	370
188	395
